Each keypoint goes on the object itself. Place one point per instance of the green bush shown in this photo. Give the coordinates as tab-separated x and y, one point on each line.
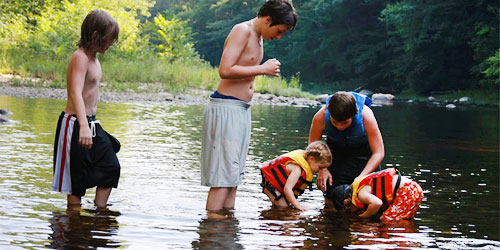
493	70
171	38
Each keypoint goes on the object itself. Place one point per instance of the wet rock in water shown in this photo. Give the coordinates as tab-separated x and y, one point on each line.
282	99
382	99
268	97
451	106
4	119
431	99
322	98
5	112
464	100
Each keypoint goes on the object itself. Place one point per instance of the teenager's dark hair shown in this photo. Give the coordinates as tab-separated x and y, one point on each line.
280	11
98	28
342	106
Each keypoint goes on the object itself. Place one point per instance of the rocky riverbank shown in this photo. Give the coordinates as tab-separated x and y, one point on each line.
191	97
24	87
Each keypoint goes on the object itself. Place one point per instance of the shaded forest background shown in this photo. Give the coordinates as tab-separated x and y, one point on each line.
392	46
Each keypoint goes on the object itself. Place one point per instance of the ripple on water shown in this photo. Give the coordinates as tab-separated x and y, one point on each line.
160	204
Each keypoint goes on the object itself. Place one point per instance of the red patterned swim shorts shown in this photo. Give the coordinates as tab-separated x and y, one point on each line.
408	197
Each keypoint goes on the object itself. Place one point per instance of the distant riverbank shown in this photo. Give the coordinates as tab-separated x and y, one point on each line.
11	87
152	92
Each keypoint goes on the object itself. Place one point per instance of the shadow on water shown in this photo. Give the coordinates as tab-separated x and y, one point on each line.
87	229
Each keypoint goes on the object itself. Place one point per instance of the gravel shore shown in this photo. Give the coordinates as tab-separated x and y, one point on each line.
191	97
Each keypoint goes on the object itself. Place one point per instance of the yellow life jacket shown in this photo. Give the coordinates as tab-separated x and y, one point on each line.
275	172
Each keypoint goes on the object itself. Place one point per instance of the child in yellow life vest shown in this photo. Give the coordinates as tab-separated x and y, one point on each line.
386	189
290	174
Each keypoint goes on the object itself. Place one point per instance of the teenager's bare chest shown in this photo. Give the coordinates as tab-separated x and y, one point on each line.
253	52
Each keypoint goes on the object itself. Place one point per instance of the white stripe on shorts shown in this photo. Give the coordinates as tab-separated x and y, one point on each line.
62	178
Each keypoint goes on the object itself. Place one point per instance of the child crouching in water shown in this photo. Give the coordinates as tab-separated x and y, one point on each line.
383	190
287	177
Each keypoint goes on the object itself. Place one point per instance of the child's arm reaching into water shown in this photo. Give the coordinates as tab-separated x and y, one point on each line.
373	202
293	177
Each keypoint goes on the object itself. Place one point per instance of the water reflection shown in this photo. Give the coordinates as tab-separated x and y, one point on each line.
401	234
218	231
283	227
282	214
86	229
162	204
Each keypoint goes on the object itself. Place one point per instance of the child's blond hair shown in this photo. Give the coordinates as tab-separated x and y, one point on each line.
320	152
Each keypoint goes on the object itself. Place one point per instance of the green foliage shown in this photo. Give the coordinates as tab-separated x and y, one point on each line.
212	20
16	15
335	41
440	45
493	70
294	82
279	86
484	40
383	45
157	74
13	28
172	38
58	25
22	62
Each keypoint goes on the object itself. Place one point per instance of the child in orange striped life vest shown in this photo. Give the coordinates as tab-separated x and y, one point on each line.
288	176
397	196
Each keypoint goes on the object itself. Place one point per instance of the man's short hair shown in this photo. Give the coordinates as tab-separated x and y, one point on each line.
342	106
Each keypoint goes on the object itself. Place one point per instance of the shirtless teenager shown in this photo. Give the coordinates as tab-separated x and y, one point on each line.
227	124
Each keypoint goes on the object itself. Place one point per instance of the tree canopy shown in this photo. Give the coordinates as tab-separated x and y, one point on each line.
383	45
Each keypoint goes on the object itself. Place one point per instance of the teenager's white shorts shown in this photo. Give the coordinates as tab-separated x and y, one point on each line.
225	141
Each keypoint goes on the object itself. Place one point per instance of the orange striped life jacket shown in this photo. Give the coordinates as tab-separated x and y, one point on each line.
381	183
275	172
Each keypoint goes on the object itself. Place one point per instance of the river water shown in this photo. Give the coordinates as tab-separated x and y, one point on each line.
159	203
